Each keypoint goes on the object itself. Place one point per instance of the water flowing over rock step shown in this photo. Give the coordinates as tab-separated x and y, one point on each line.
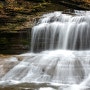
62	31
65	68
60	68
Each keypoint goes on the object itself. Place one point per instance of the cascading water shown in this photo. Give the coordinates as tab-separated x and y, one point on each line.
61	31
66	61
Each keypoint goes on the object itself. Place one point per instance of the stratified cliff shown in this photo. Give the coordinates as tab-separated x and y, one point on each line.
18	16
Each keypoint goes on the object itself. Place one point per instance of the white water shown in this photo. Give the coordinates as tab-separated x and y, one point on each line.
63	67
62	31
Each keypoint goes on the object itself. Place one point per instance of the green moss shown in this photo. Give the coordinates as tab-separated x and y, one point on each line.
3	41
1	5
24	42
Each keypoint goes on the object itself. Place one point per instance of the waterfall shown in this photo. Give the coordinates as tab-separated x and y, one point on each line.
60	31
63	59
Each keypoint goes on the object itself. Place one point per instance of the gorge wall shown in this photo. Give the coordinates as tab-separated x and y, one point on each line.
17	19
